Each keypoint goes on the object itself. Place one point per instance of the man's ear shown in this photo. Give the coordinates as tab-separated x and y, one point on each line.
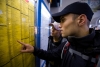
82	19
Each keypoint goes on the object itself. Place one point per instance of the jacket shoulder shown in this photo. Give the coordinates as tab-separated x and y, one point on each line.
97	37
97	33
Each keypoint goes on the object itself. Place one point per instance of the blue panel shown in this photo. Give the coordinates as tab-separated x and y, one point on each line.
45	6
45	18
47	9
38	30
38	25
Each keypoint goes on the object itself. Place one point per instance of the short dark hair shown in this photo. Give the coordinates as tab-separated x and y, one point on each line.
75	16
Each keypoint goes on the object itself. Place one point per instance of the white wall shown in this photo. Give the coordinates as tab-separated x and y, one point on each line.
95	18
45	20
96	14
47	4
54	10
64	4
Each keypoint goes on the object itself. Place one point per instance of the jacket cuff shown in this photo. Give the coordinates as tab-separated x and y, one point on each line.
35	50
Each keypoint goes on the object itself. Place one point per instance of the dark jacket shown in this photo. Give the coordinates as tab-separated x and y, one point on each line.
84	45
53	45
51	55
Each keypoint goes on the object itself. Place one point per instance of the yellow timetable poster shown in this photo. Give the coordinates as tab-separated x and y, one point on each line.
16	30
15	15
16	23
9	2
24	7
26	30
30	15
17	61
31	33
23	19
10	40
25	26
32	23
32	61
7	65
26	55
28	60
31	18
3	12
9	15
31	6
16	46
32	43
16	3
10	30
4	48
26	40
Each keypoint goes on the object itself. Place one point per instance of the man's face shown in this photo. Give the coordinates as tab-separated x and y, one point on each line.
54	32
68	25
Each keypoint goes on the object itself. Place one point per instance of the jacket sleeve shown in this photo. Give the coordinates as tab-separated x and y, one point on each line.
47	62
51	55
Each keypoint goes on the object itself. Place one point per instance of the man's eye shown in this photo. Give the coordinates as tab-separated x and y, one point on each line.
62	20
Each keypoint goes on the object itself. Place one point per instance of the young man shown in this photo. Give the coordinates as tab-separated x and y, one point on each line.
84	42
54	41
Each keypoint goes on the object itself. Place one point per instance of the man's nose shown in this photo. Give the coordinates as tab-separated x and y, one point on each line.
60	26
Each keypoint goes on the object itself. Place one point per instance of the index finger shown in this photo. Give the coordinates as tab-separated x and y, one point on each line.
21	42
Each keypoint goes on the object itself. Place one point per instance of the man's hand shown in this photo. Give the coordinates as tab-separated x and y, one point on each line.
26	48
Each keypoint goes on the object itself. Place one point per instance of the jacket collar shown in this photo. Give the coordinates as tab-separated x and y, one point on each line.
84	41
